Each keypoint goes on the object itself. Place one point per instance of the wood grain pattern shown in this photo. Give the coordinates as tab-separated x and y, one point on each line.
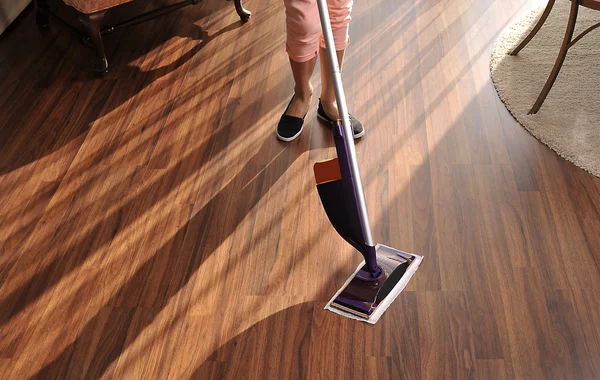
5	367
153	227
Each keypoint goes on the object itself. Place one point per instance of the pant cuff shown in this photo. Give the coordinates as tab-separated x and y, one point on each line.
339	43
301	57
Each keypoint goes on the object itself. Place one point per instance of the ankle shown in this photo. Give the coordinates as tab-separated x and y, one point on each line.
304	94
330	108
303	98
327	101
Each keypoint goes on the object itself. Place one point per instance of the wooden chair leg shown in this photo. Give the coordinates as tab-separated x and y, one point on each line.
41	15
92	23
560	59
536	29
241	11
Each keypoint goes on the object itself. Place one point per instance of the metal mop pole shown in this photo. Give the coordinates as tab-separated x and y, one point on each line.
343	110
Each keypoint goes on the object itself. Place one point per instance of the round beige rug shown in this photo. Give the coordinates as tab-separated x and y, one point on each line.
569	120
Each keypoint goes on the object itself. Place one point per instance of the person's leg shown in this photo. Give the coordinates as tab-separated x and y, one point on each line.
327	93
303	89
339	13
303	31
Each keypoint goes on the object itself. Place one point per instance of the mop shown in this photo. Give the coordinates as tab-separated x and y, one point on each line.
385	271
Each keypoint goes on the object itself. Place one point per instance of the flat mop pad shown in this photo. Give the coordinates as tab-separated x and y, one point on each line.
367	300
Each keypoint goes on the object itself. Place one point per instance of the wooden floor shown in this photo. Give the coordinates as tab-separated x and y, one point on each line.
153	227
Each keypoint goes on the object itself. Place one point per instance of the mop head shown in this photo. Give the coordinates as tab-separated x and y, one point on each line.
367	300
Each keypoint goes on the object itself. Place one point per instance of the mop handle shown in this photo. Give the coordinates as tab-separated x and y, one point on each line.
343	110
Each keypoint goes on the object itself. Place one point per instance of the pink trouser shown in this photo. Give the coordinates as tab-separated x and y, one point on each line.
303	27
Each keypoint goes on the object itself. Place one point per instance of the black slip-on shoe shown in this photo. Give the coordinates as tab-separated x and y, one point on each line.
357	127
289	127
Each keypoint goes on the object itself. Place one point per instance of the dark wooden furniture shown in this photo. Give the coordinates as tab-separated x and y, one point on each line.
91	14
568	41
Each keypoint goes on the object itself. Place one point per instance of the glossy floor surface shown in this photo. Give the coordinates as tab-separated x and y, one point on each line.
153	227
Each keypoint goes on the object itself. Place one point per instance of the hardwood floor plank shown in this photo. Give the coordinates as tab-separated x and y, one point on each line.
6	367
110	342
146	351
18	228
445	351
424	227
490	369
381	368
328	333
586	202
52	362
522	156
83	354
584	303
567	324
397	340
531	334
284	358
71	244
505	247
570	235
544	250
504	216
